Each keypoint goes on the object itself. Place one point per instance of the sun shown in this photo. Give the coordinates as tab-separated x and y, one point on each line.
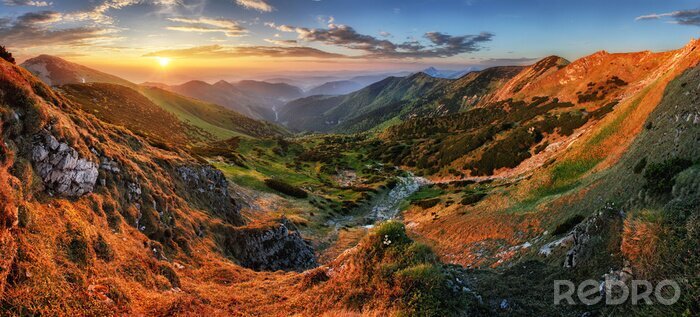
163	61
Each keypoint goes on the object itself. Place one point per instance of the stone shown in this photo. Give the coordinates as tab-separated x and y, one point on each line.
60	167
209	188
271	248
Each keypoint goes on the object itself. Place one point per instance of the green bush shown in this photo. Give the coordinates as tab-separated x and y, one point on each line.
660	176
472	198
286	188
567	225
426	203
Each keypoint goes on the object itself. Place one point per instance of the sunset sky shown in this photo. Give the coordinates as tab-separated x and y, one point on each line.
174	40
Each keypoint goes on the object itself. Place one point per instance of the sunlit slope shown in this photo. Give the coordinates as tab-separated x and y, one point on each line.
96	221
521	203
55	71
123	106
210	118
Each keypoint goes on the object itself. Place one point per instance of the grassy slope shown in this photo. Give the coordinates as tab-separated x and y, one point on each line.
123	106
211	118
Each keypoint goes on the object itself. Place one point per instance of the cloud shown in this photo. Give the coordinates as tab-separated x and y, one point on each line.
259	5
683	17
282	42
433	44
98	13
220	51
35	29
30	3
207	25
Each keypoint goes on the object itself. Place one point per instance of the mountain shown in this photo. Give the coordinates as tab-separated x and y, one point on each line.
133	106
333	88
394	100
162	116
365	108
96	219
498	184
123	106
253	99
448	74
275	91
56	71
222	93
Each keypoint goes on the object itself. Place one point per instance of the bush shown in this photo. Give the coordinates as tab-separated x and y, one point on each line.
77	249
660	176
472	198
286	188
567	225
426	203
639	167
169	273
4	54
102	249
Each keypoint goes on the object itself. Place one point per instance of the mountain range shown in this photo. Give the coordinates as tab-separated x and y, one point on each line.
415	195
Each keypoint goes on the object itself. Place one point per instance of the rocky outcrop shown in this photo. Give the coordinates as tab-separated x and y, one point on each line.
580	242
61	168
270	248
208	187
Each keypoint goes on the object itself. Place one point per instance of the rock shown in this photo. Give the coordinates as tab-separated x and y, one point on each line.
208	187
270	248
61	168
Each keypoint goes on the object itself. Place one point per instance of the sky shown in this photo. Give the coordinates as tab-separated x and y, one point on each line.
177	40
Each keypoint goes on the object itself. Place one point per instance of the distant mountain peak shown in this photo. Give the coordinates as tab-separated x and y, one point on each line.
448	74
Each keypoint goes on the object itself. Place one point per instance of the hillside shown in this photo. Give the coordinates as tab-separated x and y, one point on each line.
254	99
274	91
210	118
123	106
55	71
200	121
471	197
333	88
95	221
365	108
395	100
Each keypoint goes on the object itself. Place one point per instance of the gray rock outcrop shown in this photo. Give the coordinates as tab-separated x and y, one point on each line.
271	248
208	188
61	168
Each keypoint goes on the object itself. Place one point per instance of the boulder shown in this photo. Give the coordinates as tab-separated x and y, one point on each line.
270	247
208	189
61	168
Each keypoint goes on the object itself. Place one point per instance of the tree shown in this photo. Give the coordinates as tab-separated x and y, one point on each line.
4	54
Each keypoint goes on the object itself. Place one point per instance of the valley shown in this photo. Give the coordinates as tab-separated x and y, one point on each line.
462	194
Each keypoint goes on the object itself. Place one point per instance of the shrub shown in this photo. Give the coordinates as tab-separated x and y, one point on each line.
169	274
77	249
567	225
472	198
102	249
286	188
639	167
660	176
426	203
6	55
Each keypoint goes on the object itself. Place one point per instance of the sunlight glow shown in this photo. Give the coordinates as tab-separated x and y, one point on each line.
163	61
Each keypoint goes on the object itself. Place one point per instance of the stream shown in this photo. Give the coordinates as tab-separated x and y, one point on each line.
277	116
384	206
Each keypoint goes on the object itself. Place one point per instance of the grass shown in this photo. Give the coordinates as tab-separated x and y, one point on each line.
612	127
211	119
